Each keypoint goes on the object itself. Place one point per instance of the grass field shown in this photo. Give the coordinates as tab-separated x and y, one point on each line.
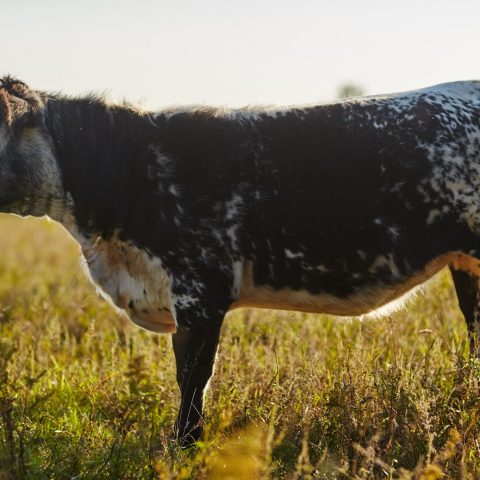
86	395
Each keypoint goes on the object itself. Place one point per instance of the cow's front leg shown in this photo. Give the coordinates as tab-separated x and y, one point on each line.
195	349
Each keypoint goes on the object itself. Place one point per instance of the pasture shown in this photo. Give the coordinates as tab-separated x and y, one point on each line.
84	394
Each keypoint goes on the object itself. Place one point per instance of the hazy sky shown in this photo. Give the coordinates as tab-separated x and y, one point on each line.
235	53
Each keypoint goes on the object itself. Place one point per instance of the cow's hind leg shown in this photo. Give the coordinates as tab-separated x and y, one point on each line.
467	286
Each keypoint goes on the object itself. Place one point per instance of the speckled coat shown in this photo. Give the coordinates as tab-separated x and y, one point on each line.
185	214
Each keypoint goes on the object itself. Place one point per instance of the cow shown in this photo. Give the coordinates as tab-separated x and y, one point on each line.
187	213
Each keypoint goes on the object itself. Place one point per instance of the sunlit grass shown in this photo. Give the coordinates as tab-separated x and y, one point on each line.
85	394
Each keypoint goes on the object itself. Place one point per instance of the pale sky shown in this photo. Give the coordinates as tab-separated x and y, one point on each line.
238	53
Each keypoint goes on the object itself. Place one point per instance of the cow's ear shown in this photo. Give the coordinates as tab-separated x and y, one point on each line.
19	105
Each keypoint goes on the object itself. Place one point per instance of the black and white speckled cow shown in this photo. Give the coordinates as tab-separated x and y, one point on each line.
183	215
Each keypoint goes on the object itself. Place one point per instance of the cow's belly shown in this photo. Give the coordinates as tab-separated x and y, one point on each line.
363	302
369	299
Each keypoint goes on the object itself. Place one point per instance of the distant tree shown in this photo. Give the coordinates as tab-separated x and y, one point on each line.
350	90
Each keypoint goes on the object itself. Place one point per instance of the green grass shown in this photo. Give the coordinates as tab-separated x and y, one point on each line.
84	394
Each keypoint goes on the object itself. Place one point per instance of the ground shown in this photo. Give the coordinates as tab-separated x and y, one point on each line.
84	394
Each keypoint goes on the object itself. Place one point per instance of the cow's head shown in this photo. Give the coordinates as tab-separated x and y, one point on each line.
29	173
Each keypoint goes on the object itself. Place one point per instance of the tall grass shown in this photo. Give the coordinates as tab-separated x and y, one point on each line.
84	394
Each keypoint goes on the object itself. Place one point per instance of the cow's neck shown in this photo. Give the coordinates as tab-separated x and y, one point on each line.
99	149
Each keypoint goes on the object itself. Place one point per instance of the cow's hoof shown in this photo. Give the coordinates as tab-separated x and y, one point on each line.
186	437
